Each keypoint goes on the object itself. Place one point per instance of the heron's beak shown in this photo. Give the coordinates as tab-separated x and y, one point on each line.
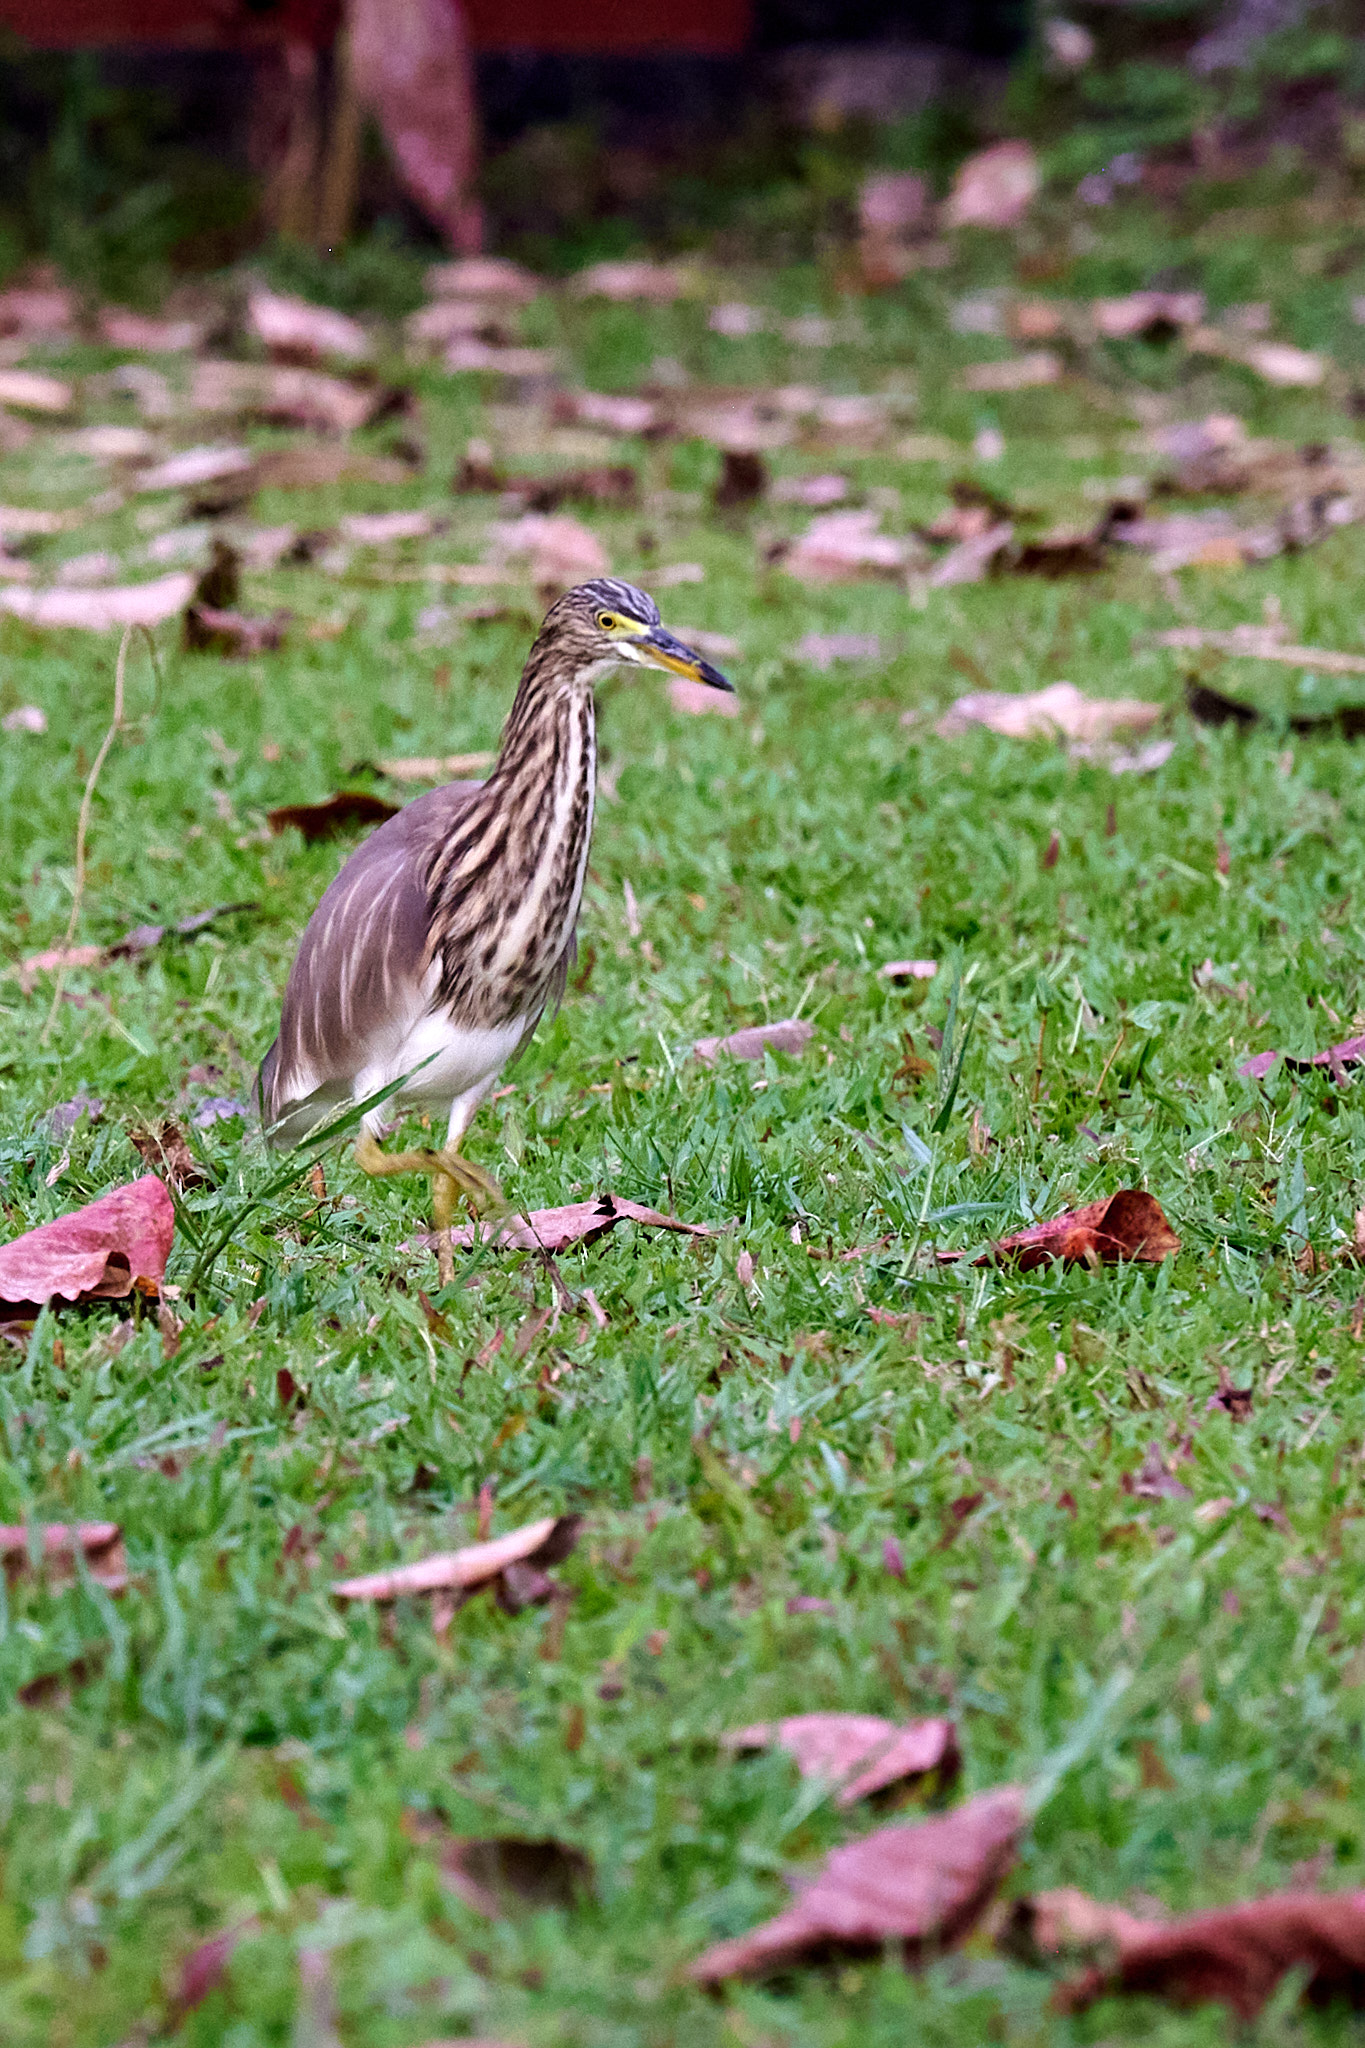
661	649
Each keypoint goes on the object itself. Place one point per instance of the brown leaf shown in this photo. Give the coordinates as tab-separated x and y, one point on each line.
994	188
861	1753
54	1688
1261	644
1236	1955
1061	710
1350	1052
791	1035
1235	1401
483	277
99	1252
433	767
101	610
204	1968
475	1566
924	1885
554	1230
1154	1479
493	1873
296	331
100	1543
340	813
743	479
1126	1225
165	1150
41	308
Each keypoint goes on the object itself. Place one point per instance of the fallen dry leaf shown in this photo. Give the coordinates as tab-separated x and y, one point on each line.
860	1753
483	277
1151	314
559	551
791	1035
52	1690
24	718
924	1886
842	545
617	412
340	813
101	610
973	559
699	699
99	1252
1126	1225
1211	707
31	391
59	1544
165	1150
1262	643
203	1970
1015	373
195	466
1061	710
297	331
823	650
1350	1052
469	1570
124	329
994	188
908	970
658	283
282	395
1067	1922
494	1872
143	937
1154	1479
555	1230
1237	1955
37	310
378	529
817	492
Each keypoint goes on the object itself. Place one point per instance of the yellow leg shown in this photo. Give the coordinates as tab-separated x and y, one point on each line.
449	1173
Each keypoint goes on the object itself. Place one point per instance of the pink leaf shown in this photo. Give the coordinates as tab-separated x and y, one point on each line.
98	1252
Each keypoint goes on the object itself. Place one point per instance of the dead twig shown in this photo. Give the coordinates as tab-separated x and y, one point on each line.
83	820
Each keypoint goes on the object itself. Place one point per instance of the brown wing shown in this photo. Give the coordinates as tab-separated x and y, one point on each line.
356	982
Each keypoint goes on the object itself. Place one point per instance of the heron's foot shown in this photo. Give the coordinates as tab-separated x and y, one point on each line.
478	1187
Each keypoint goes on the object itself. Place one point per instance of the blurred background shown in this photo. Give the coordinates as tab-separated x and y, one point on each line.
145	141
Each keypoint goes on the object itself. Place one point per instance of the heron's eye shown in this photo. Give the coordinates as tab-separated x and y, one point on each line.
607	622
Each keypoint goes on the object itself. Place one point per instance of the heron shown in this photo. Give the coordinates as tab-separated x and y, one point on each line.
447	934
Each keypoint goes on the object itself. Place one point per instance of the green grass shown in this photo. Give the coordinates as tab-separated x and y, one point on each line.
244	1746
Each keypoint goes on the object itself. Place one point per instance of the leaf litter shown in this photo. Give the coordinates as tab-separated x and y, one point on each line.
861	1754
100	1252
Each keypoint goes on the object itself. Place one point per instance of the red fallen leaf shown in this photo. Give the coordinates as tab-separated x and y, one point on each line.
203	1969
1349	1053
1236	1955
338	814
861	1753
554	1230
1236	1401
994	188
1067	1921
100	611
101	1544
1155	1480
1126	1225
924	1885
475	1566
791	1035
96	1253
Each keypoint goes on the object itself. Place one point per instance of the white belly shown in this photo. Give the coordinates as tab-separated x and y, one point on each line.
446	1062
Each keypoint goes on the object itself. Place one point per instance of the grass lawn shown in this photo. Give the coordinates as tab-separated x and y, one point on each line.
234	1744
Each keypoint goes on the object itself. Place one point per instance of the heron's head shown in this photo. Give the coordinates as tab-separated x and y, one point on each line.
601	624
